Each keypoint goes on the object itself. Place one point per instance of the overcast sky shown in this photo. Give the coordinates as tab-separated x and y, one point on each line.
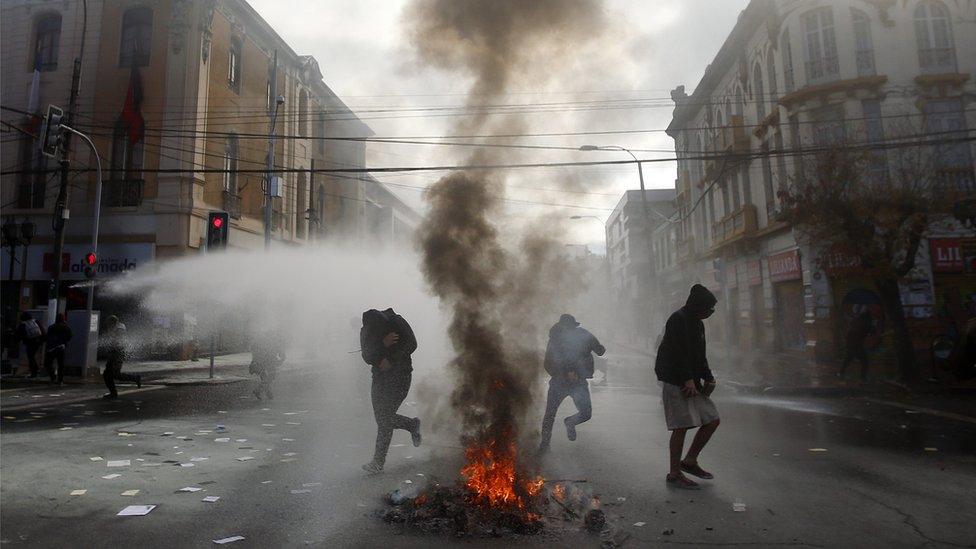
649	47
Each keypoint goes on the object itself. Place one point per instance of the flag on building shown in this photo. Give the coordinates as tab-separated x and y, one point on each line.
132	121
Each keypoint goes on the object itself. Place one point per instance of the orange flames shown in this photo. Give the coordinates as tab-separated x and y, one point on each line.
492	475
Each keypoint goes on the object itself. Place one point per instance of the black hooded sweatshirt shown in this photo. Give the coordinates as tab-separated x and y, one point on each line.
376	325
570	348
681	355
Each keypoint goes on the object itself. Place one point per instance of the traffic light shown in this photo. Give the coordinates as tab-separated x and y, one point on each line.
218	225
53	133
91	264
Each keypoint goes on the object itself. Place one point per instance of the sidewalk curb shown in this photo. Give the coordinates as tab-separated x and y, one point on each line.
74	400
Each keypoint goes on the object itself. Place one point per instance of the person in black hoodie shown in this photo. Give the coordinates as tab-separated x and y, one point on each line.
569	362
58	336
387	342
687	382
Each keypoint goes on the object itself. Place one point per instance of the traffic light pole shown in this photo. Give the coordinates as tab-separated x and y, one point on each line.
96	215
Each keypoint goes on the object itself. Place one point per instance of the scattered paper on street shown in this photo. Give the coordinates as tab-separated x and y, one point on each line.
130	492
222	439
301	491
245	458
818	449
136	510
190	489
96	458
639	523
210	499
188	465
930	449
231	539
310	484
78	492
119	463
199	458
110	477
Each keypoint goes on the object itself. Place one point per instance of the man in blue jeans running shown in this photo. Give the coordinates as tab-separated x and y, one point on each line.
569	362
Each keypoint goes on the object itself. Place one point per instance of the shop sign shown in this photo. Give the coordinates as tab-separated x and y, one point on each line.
785	266
838	262
754	272
950	255
113	259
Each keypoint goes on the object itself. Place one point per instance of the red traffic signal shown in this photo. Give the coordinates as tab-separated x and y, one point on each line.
91	259
217	222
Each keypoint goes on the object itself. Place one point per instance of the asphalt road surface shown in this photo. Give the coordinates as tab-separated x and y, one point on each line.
841	472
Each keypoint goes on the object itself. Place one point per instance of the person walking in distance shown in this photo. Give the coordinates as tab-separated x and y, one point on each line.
58	336
569	362
267	353
32	334
115	349
687	382
387	342
857	334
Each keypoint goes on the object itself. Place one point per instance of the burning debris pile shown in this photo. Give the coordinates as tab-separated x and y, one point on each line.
461	510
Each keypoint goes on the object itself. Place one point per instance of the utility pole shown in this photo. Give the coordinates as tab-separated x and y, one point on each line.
279	101
61	213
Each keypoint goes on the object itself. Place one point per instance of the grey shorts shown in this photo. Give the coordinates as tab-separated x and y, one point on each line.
682	412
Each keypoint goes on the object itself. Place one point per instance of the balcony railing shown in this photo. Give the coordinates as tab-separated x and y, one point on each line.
823	70
122	193
734	226
232	204
937	60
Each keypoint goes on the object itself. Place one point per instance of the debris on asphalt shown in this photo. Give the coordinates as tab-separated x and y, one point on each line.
303	491
930	449
119	463
738	506
293	423
65	428
126	434
110	477
289	460
595	520
210	499
289	454
135	510
621	499
167	434
240	440
668	532
188	465
222	439
288	440
231	539
267	425
818	449
95	458
130	493
199	458
245	458
78	492
190	489
310	484
639	524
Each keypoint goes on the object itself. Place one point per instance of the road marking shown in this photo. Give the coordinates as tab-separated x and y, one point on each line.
922	410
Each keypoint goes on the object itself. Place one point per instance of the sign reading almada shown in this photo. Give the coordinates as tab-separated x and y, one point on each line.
113	259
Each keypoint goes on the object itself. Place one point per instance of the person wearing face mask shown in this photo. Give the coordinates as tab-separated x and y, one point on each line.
687	382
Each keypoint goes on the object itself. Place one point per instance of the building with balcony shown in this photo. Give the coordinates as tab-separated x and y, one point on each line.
798	74
202	77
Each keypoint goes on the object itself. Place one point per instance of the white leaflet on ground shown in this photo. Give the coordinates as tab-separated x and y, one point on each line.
119	463
135	510
110	477
231	539
210	499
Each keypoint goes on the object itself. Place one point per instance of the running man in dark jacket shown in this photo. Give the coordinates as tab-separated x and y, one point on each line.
687	381
32	334
115	340
569	362
58	336
862	326
387	342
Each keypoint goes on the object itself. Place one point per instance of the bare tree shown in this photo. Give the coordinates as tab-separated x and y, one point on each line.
874	202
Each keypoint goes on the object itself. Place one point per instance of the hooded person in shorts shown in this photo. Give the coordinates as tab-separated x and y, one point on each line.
687	382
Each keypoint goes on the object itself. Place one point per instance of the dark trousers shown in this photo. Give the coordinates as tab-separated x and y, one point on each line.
113	371
388	392
32	347
559	389
861	356
50	356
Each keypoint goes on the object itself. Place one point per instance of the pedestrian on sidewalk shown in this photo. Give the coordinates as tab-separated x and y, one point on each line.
30	332
115	350
267	353
58	336
860	327
569	362
687	382
387	342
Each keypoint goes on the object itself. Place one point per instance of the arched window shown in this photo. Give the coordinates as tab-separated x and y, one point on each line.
759	91
136	42
771	76
234	64
740	101
47	38
863	47
303	113
933	34
821	46
231	155
788	81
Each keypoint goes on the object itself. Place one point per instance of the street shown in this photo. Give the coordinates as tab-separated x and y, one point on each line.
855	472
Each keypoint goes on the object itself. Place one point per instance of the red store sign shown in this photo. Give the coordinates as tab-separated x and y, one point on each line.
946	255
785	266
